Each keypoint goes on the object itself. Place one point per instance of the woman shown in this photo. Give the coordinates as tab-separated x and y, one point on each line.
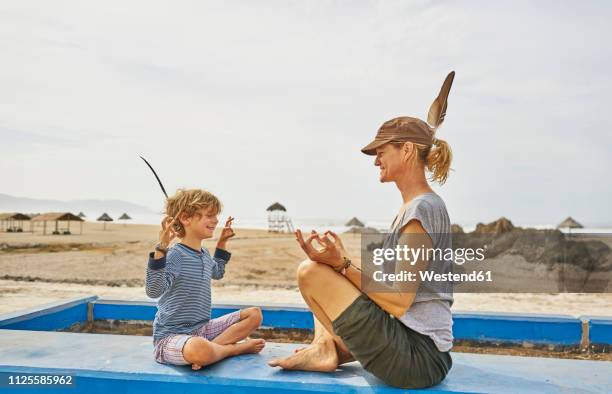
402	337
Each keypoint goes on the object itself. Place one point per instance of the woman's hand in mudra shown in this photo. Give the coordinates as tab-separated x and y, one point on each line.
331	252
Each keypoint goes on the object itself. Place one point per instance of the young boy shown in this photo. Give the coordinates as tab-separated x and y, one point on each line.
183	332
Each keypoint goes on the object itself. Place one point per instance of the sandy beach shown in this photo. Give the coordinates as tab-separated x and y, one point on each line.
111	263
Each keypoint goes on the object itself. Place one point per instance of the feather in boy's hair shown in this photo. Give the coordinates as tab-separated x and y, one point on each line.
187	202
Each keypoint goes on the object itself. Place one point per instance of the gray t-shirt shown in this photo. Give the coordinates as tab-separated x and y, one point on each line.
430	313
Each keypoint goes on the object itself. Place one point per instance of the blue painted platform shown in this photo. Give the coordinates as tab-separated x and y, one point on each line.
125	364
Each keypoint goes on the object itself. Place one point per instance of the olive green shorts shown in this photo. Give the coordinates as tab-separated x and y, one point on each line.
385	347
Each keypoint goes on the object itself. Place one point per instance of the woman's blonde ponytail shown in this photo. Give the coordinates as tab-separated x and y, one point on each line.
438	161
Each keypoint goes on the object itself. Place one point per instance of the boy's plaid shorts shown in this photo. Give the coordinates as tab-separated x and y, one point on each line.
169	349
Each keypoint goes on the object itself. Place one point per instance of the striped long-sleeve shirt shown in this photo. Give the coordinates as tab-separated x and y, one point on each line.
181	280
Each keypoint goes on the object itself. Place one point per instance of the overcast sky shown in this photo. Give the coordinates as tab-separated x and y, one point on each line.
272	100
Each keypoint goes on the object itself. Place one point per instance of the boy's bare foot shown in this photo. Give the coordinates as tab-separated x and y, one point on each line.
250	346
319	357
245	347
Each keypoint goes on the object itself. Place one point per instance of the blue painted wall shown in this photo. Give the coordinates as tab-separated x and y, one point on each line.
274	316
493	327
49	317
104	310
537	329
600	330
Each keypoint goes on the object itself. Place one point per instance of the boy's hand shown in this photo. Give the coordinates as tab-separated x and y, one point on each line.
226	233
167	233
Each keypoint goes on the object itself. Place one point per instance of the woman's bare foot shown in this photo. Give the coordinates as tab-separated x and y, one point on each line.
320	357
316	340
250	346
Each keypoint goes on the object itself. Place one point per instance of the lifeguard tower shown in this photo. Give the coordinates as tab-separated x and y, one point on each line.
278	220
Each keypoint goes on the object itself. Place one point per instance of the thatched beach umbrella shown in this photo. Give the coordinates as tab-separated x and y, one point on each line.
361	230
105	218
276	207
81	215
124	217
569	224
354	222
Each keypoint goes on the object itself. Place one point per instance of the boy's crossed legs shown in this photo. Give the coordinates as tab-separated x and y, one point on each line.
214	341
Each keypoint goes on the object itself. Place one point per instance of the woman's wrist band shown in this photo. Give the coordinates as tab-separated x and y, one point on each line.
347	263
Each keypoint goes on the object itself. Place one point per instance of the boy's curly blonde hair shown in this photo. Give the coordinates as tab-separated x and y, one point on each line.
187	202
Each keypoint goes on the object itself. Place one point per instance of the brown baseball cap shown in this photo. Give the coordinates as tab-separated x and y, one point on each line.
405	128
401	129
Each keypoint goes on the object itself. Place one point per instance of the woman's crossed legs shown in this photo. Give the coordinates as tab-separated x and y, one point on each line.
328	294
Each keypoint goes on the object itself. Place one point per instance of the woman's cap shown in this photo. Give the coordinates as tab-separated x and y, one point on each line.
405	128
402	129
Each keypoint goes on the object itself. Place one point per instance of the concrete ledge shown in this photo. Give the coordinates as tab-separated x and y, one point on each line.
123	363
493	327
47	317
124	310
487	327
517	328
600	330
275	315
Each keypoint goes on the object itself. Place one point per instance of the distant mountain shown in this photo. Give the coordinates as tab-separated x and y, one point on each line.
89	207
